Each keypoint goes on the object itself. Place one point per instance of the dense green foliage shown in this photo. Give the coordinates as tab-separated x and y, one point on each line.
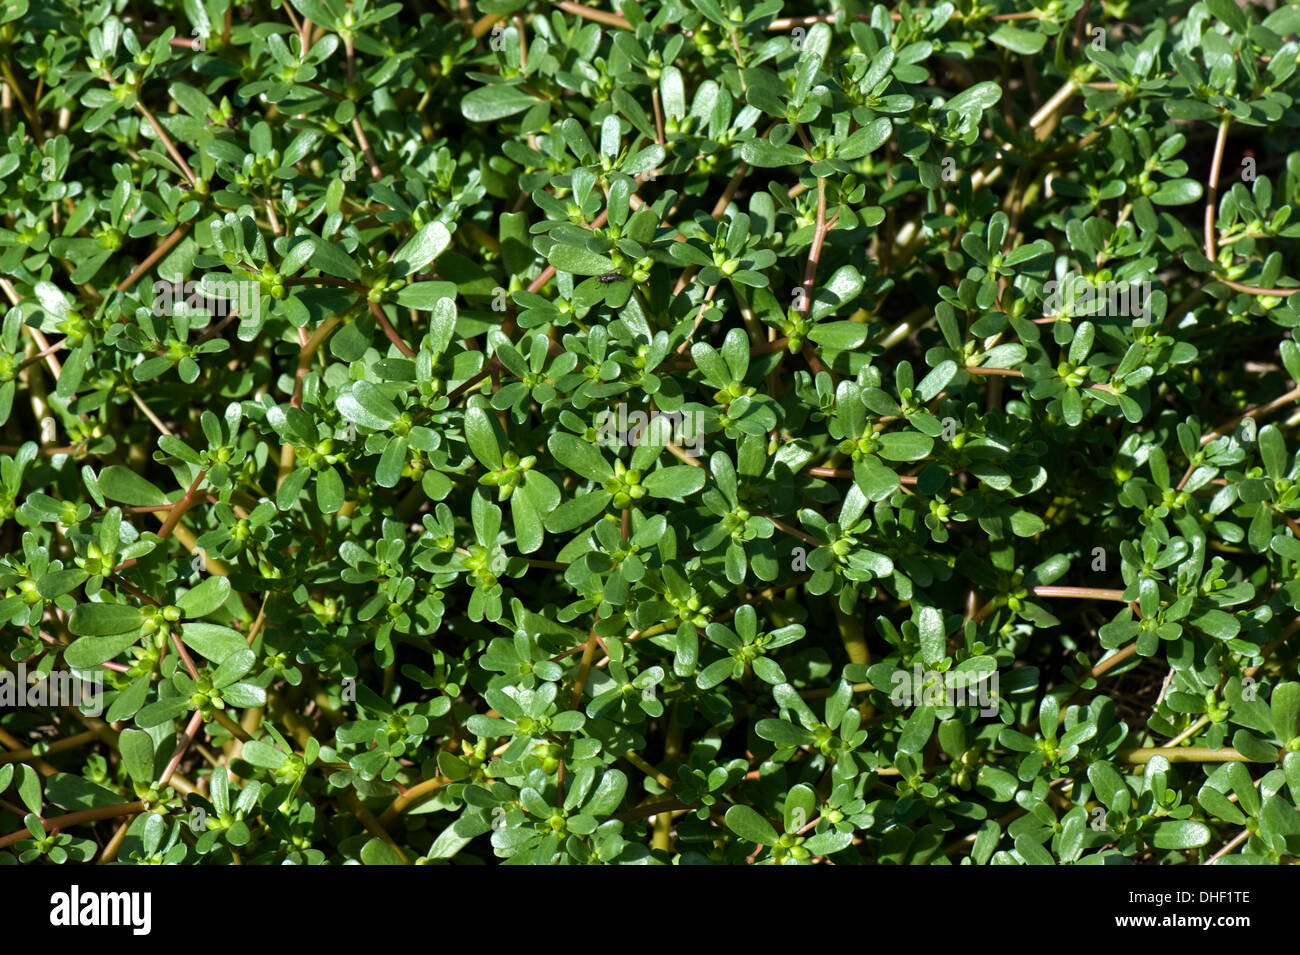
327	323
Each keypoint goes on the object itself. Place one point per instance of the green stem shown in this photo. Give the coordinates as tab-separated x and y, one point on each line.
1183	754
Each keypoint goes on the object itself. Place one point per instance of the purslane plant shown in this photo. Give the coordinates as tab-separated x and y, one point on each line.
665	432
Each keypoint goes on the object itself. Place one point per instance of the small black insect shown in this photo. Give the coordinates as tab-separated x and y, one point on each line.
609	278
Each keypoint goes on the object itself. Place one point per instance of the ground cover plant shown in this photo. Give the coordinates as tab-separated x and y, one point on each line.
679	432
